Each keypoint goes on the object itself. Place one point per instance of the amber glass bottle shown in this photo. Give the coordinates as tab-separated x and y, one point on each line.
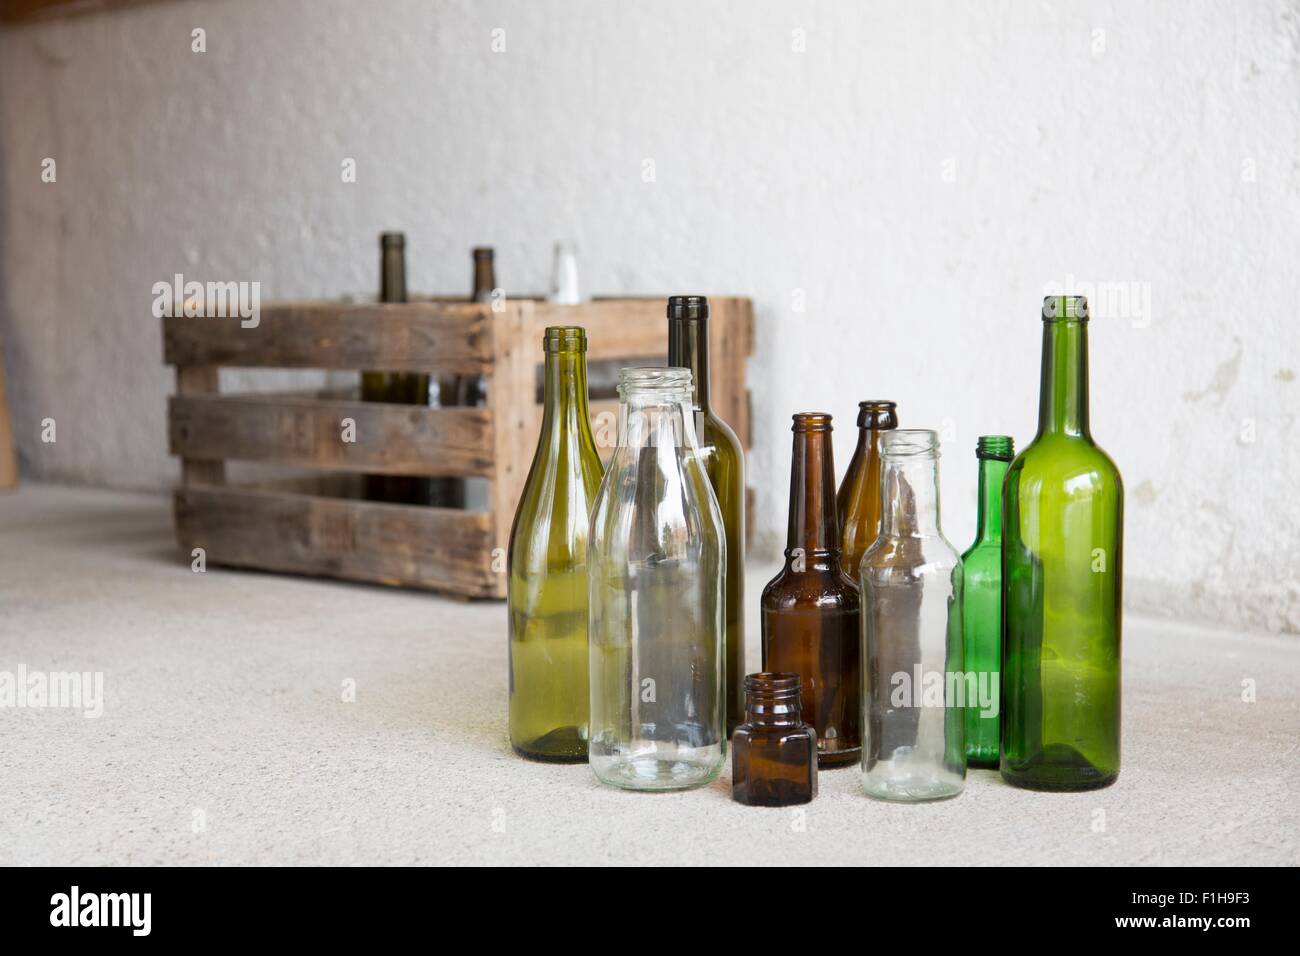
857	506
773	753
724	463
810	609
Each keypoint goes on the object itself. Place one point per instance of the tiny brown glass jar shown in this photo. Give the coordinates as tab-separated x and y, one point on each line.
773	753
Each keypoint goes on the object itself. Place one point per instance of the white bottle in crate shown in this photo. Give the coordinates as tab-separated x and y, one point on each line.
564	275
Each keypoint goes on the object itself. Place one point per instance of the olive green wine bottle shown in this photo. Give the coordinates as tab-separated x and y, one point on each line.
982	605
547	565
1062	539
724	463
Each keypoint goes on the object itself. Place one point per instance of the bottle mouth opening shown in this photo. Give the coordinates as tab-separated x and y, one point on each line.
392	239
688	307
996	447
1065	307
564	338
910	443
482	252
811	422
768	685
662	381
878	414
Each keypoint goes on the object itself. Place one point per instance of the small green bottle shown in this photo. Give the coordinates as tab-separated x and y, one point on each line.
1062	540
547	565
982	607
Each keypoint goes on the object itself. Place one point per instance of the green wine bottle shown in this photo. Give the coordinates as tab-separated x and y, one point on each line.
724	463
399	388
547	565
982	605
1063	510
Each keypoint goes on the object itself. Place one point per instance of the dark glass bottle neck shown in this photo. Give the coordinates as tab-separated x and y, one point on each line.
392	273
484	277
813	525
688	347
1063	397
989	527
773	700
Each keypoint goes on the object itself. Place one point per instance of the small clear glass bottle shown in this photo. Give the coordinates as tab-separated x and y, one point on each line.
656	570
773	753
914	687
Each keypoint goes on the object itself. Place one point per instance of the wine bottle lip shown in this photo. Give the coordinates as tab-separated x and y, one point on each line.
392	238
564	338
688	307
1058	308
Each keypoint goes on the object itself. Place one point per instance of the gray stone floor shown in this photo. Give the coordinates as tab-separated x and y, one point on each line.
224	737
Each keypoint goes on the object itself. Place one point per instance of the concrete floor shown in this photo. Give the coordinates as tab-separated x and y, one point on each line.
224	737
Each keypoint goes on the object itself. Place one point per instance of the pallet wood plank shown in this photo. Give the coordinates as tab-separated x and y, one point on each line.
432	548
439	338
193	381
308	431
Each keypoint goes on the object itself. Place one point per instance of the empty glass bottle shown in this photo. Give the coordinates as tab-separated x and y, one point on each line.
913	685
982	605
810	609
564	275
1062	507
548	565
724	462
773	753
399	388
857	505
656	565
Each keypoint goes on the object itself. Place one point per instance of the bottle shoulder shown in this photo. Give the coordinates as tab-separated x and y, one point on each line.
718	434
1061	459
821	589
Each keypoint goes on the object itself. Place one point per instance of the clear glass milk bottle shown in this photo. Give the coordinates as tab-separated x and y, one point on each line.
656	559
914	687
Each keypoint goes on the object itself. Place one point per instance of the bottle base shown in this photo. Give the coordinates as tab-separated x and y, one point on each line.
1058	769
830	759
902	786
982	761
651	772
562	745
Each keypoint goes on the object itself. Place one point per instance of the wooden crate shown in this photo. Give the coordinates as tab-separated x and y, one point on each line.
320	525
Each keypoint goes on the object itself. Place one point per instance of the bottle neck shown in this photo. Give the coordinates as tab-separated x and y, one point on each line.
656	421
688	347
564	397
484	278
392	274
989	526
813	526
1063	398
773	700
911	496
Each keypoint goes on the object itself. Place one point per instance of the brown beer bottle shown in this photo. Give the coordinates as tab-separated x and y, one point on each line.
857	506
810	609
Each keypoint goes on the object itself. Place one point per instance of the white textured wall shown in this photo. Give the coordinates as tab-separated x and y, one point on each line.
921	172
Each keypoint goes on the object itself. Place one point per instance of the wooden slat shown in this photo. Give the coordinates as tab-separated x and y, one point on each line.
308	431
430	337
433	548
192	382
515	414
